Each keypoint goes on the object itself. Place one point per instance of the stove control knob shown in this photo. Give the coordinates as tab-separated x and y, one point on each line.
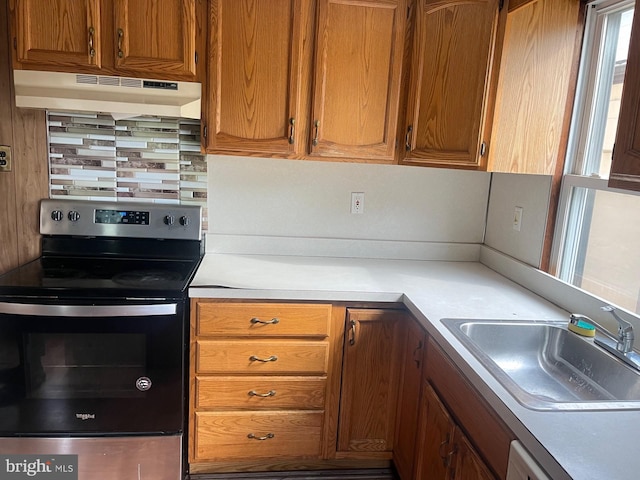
168	220
57	215
184	221
143	384
74	216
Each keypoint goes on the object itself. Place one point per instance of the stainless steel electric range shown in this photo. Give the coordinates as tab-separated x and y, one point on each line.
93	338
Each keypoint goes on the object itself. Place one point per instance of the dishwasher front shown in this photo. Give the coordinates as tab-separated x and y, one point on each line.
522	465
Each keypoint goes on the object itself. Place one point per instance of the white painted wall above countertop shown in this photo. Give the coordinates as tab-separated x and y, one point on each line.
292	198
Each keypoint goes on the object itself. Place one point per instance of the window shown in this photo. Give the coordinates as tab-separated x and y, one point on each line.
597	241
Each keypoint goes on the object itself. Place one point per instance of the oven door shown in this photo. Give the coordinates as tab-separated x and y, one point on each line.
91	369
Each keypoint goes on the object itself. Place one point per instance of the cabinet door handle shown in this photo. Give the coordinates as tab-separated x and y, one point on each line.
270	393
265	437
273	321
444	456
407	138
316	125
292	130
352	332
416	357
447	460
272	358
92	51
120	38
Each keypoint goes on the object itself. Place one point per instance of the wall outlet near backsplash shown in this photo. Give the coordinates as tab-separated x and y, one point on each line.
5	158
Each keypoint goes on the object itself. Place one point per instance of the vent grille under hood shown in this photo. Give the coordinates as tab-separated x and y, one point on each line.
121	96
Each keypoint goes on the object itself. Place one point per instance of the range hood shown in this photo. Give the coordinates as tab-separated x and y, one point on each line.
121	96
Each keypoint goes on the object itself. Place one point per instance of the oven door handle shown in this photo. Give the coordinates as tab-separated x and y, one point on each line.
149	310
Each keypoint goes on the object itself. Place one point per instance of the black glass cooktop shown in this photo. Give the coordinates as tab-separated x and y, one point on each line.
82	276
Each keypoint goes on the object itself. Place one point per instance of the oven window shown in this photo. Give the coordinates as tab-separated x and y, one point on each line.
84	365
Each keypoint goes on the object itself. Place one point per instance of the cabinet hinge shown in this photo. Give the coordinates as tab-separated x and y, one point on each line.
204	131
196	55
483	149
500	5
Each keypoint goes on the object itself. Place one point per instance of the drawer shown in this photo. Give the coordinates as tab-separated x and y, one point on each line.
262	319
306	393
261	357
236	435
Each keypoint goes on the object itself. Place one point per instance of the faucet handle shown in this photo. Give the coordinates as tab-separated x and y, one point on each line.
624	326
625	330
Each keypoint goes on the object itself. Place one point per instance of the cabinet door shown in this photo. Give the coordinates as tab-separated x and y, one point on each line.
529	128
469	466
436	439
256	55
625	168
451	81
155	38
359	49
409	401
370	380
58	33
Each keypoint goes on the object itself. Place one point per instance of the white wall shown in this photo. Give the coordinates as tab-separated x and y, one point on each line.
508	191
292	198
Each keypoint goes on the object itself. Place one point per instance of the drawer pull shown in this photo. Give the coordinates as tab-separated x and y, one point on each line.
270	393
272	358
273	321
266	437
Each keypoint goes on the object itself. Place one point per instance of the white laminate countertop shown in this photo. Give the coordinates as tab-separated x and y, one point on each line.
577	445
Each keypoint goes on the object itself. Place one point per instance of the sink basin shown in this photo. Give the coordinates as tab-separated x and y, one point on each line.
546	367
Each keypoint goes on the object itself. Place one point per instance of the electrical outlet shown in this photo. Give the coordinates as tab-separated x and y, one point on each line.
357	202
517	219
5	158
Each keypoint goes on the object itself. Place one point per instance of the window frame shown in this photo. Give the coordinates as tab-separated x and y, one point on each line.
580	182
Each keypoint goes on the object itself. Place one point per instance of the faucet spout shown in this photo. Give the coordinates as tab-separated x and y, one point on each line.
620	345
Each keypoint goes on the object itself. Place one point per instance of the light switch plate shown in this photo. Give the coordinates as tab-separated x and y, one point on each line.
517	219
5	158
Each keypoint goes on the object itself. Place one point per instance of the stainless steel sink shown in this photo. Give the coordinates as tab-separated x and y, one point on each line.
546	367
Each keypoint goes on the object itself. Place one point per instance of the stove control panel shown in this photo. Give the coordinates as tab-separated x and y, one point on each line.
115	219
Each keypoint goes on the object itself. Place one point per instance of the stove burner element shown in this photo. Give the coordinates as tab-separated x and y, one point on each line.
143	278
63	273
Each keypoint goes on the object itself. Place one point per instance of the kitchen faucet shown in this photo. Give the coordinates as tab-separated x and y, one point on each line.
621	345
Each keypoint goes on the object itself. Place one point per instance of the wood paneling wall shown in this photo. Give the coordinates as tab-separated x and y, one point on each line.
22	188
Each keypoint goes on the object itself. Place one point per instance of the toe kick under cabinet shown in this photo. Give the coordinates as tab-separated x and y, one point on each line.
258	389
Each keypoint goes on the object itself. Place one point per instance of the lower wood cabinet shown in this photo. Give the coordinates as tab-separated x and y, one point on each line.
444	452
370	381
258	383
281	386
232	435
453	417
468	464
404	449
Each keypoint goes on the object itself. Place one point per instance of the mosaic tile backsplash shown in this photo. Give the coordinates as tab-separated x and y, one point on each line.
142	159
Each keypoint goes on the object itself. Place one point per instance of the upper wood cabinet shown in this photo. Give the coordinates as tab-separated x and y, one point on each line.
625	169
156	36
140	38
534	96
452	82
256	65
357	71
264	74
58	33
